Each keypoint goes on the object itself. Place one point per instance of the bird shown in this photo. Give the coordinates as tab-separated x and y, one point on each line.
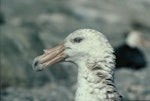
129	54
92	53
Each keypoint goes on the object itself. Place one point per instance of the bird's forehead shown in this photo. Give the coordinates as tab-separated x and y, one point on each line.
85	33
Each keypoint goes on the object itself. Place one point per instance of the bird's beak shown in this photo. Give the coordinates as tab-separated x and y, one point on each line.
50	57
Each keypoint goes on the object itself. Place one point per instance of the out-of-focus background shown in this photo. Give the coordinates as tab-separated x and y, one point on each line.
29	26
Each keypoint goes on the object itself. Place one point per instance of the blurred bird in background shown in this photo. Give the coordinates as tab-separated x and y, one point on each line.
130	54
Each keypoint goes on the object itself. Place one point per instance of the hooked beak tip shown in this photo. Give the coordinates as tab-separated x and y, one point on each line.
36	66
50	57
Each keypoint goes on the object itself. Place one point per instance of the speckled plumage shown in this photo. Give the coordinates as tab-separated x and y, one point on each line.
95	67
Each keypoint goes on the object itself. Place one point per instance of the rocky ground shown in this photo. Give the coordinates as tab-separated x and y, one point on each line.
29	26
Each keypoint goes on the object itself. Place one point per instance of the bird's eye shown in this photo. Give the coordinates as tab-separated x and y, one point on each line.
77	39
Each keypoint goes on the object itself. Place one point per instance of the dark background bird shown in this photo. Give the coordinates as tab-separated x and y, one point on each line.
129	54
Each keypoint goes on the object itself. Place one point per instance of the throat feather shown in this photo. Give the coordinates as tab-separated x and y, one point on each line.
96	78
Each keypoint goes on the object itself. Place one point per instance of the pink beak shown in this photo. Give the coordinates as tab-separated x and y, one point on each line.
50	57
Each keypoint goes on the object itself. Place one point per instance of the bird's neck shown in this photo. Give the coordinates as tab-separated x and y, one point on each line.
95	82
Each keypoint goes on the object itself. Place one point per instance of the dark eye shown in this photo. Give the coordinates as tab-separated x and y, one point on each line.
77	39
